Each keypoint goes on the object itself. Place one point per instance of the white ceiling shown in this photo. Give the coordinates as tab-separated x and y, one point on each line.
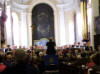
22	1
28	1
22	4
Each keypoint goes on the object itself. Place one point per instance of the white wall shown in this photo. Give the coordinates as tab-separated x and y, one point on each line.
8	27
63	23
70	33
16	29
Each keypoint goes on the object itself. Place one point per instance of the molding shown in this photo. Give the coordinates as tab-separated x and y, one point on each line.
69	5
19	7
65	1
66	4
22	6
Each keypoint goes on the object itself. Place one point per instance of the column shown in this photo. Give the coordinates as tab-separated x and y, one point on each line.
62	26
29	21
8	27
16	29
79	21
24	42
56	28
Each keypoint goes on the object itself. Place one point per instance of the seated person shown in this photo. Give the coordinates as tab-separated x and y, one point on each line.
8	49
2	65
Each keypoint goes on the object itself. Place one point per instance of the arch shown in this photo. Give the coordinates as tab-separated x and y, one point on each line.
42	23
34	3
56	25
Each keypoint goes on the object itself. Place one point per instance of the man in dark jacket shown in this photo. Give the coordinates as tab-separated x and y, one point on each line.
8	49
51	47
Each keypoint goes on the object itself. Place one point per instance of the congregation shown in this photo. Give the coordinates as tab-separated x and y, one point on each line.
49	36
73	59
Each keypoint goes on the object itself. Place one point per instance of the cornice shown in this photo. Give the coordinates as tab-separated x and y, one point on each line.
22	6
69	5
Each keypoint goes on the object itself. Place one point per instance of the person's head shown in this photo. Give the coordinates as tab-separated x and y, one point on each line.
4	46
76	51
9	57
40	54
8	46
20	56
69	50
78	43
50	40
31	47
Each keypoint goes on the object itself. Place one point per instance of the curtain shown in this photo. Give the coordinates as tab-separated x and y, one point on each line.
85	20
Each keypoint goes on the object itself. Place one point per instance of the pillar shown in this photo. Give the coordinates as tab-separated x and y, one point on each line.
24	40
62	26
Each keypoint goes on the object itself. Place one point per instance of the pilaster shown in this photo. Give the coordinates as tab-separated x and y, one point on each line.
62	26
24	40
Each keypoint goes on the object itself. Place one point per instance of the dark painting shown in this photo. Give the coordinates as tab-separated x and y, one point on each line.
97	25
97	30
43	22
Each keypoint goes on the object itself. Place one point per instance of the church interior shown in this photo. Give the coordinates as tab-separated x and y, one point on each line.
50	36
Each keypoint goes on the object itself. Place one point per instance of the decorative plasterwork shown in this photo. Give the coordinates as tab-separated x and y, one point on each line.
19	7
25	4
69	4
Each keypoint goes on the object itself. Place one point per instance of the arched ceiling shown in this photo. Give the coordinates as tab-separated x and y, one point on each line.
29	2
23	4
